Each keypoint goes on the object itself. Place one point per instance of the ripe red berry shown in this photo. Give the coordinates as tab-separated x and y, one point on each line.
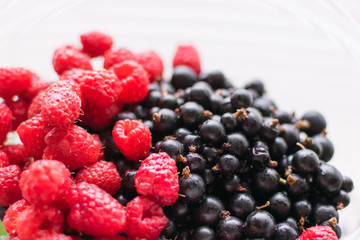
32	134
133	139
134	81
189	56
74	147
157	177
37	221
53	236
152	63
145	219
9	185
68	57
111	238
96	43
37	85
117	56
4	160
35	105
14	81
45	182
102	174
17	154
93	211
319	233
101	153
11	215
5	122
19	109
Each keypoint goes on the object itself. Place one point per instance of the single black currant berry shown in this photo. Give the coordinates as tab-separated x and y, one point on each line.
302	209
305	161
212	132
192	186
298	186
259	157
347	184
334	226
256	85
140	112
170	230
230	228
270	129
283	116
128	182
179	211
229	164
260	224
328	179
153	99
267	180
192	114
265	105
226	106
180	134
327	146
278	148
183	77
290	134
249	120
169	101
231	184
292	222
211	155
216	102
165	121
216	79
237	144
172	147
323	213
167	87
203	233
229	122
124	115
241	98
192	143
284	231
280	205
341	200
317	122
200	95
208	211
195	162
242	204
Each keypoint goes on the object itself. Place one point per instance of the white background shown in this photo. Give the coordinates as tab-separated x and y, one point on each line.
307	52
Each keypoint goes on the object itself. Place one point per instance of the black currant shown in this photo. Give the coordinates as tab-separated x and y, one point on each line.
196	162
237	144
242	204
228	164
241	98
256	85
208	211
305	161
192	114
212	132
284	231
267	180
260	224
183	77
347	184
323	213
230	228
216	79
203	233
192	187
328	178
280	205
192	143
229	122
165	121
317	122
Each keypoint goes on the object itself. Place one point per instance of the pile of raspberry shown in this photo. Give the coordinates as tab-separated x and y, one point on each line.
119	153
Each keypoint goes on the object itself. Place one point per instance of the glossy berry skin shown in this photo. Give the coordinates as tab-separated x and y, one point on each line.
196	162
165	121
230	228
157	177
260	224
259	157
145	219
200	95
242	204
347	184
211	155
292	222
278	148
193	187
323	213
266	180
316	120
112	57
265	105
11	215
152	63
270	129
170	230
283	116
212	132
45	182
183	77
302	209
105	216
192	143
133	139
290	134
284	231
203	233
96	43
228	164
251	125
328	178
336	229
187	55
216	79
318	232
300	187
241	98
9	185
5	121
326	145
172	147
236	144
280	205
207	212
192	114
256	85
179	211
169	101
68	57
305	161
103	174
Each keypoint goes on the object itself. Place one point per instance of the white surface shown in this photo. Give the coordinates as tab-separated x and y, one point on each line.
307	52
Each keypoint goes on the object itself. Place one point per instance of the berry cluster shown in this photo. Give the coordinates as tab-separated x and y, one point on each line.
119	153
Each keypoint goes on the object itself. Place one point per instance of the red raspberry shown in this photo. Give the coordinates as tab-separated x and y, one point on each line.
35	105
134	81
189	56
17	154
145	219
53	236
74	147
19	111
37	221
111	238
4	160
93	211
9	185
14	81
157	177
117	56
68	57
102	174
152	63
45	182
12	214
37	85
319	233
73	74
96	43
101	153
133	139
32	134
5	121
61	104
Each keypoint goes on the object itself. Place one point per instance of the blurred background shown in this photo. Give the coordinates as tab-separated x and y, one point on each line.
306	52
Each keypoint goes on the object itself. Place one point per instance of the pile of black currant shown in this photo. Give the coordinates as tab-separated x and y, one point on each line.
247	169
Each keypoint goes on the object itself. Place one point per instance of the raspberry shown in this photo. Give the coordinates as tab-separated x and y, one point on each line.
4	160
319	233
14	81
74	147
61	104
93	211
17	154
19	111
35	105
102	174
73	74
12	214
96	43
133	139
53	236
111	238
37	221
68	57
134	81
37	85
5	122
152	63
32	133
189	56
101	153
157	177
117	56
145	219
46	181
9	185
